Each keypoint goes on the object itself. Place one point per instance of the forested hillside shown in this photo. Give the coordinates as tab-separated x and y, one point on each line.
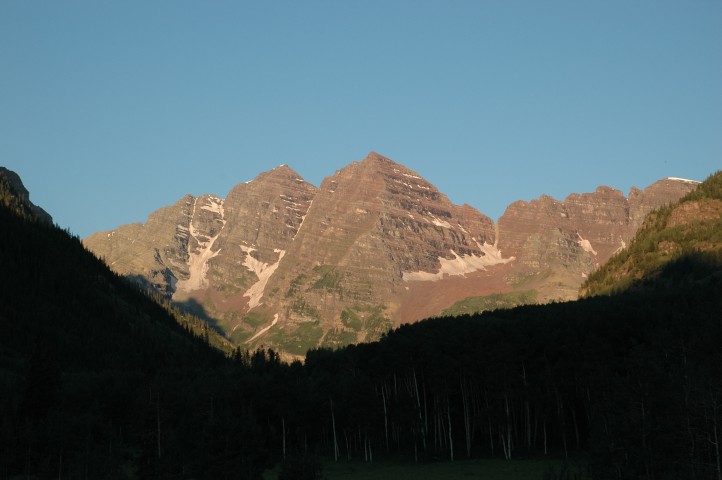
632	381
691	227
99	381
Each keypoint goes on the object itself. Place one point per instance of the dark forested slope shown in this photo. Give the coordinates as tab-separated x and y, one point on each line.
97	380
631	381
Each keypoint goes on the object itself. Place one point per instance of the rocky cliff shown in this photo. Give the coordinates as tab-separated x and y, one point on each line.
557	244
282	263
212	255
682	240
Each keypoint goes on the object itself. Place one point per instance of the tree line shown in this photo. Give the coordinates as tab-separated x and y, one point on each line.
97	380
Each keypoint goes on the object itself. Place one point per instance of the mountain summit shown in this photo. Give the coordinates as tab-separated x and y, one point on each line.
282	263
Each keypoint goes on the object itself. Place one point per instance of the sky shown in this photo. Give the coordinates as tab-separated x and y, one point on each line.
112	109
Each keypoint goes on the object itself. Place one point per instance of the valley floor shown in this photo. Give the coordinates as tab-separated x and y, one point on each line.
496	469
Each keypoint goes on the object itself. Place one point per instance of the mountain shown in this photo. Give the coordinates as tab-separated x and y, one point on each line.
557	244
374	227
211	255
52	287
15	197
627	383
97	380
669	238
280	262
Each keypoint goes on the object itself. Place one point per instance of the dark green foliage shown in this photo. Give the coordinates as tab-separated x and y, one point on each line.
328	279
657	243
491	302
710	188
99	381
634	380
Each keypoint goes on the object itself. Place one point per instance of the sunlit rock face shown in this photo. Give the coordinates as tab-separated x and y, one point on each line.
558	243
375	228
282	263
210	254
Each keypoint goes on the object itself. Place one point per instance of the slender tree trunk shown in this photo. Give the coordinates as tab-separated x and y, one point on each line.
560	411
426	416
348	444
367	449
283	428
418	407
528	424
157	412
716	439
508	428
386	416
576	427
451	438
491	437
467	414
335	440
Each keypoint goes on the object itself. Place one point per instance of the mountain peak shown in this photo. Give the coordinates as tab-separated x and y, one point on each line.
374	156
283	262
281	171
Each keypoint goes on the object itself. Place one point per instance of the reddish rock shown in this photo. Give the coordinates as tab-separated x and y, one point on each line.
282	263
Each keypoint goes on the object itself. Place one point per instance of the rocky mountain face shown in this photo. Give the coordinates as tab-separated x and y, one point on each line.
557	244
374	228
282	263
214	256
687	233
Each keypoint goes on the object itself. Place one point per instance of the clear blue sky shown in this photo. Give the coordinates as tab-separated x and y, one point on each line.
112	109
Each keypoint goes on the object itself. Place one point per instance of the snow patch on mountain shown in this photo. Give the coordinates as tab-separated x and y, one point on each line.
262	270
199	257
683	180
411	176
215	205
461	264
437	221
586	245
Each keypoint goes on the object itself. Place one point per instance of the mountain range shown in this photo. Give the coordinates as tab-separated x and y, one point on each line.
100	381
283	263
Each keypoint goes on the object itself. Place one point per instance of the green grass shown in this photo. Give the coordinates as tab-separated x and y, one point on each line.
302	307
256	319
524	469
295	287
350	319
368	318
339	338
494	301
328	278
296	341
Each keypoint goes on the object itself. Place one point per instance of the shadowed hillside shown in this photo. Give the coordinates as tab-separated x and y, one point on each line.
99	381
